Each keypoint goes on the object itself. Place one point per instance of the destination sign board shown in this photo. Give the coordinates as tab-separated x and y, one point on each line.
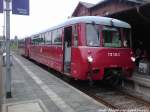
20	7
1	6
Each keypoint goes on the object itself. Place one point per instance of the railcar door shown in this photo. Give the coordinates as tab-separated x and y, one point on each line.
26	47
67	49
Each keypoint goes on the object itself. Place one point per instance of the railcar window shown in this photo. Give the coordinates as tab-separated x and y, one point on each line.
48	38
56	37
75	34
42	39
112	37
126	37
92	35
36	40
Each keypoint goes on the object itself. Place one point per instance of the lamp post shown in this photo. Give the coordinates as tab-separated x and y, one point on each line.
8	63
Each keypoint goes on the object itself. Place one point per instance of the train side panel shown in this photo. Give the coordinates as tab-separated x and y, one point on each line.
50	55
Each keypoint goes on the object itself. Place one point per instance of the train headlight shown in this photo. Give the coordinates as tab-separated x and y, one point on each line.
90	59
133	59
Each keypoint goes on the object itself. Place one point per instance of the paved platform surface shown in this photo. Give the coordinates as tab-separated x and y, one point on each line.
36	90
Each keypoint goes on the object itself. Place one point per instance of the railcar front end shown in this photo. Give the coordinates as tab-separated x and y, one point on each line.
105	54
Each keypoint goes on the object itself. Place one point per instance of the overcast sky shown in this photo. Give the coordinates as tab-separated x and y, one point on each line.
43	14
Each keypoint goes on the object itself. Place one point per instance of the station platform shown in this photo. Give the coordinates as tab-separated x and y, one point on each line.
36	90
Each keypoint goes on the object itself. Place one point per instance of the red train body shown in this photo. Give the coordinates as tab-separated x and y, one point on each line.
85	48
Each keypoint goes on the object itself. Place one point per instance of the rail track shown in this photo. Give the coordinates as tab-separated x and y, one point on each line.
113	98
116	98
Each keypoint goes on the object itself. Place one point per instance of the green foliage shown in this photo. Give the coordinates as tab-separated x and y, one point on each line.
13	46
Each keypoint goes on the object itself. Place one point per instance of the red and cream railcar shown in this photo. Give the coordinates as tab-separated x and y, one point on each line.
85	48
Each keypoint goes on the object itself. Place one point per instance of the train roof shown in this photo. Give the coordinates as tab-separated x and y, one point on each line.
92	19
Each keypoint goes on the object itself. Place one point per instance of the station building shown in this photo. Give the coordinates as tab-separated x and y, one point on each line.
105	7
136	13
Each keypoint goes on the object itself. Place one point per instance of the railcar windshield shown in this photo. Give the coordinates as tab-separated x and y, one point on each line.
112	37
126	37
92	35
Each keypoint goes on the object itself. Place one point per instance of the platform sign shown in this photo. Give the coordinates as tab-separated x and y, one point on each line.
20	7
1	6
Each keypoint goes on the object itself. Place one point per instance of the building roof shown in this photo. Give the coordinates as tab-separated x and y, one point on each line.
102	2
84	4
138	2
147	0
141	13
87	5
